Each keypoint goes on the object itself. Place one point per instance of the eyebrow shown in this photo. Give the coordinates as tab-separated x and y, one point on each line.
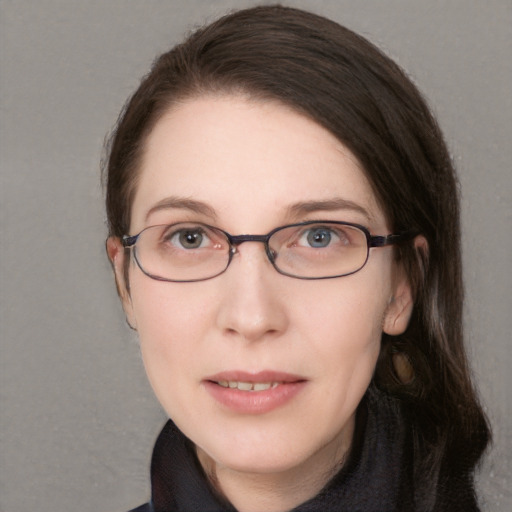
182	203
295	210
334	204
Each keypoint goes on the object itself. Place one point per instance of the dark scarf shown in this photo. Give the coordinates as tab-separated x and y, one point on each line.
375	478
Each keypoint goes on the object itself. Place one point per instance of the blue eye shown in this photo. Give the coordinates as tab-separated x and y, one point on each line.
319	237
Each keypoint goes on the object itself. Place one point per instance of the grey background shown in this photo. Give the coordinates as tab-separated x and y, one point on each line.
78	418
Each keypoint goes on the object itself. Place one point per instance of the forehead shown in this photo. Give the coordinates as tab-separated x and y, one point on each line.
249	162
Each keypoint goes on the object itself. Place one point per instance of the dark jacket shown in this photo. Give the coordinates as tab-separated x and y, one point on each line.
377	476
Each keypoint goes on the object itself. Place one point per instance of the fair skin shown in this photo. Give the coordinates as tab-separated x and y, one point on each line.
250	167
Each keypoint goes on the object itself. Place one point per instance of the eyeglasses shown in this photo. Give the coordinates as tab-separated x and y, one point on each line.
190	251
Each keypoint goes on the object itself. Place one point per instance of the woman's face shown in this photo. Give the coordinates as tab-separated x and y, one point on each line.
248	167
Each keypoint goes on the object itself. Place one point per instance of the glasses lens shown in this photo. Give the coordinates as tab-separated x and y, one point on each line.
319	250
182	252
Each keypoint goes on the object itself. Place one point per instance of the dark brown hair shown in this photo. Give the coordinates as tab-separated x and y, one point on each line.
345	84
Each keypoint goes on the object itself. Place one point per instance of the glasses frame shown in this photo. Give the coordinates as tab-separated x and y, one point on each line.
129	242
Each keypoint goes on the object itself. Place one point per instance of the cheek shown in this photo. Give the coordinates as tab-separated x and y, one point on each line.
168	312
172	324
344	326
350	310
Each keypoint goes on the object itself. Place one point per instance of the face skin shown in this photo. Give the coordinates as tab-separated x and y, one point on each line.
249	163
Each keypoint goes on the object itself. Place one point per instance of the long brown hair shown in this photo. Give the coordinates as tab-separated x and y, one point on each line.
347	85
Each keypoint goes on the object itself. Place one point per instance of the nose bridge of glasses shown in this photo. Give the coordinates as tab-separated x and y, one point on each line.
236	240
240	239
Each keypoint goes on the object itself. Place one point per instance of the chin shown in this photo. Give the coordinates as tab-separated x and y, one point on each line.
268	460
265	451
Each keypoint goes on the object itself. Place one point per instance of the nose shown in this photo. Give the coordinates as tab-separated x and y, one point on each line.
252	303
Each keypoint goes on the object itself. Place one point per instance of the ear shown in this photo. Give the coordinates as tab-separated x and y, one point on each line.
117	256
399	310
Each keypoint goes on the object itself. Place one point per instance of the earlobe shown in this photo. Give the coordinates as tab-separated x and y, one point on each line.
117	254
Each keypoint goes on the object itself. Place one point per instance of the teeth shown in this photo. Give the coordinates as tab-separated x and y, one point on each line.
248	386
260	386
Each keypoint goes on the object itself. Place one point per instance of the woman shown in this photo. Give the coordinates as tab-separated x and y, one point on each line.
284	232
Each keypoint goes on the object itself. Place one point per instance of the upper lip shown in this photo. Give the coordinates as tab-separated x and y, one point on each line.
260	376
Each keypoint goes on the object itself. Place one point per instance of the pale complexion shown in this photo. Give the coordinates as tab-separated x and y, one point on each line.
248	167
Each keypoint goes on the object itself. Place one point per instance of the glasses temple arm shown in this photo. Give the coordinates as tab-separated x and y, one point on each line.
382	241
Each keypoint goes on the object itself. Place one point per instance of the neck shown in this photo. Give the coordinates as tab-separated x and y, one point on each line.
282	490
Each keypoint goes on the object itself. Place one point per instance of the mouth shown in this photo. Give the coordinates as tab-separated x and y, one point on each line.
254	393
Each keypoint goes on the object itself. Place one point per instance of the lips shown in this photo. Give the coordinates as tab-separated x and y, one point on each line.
253	393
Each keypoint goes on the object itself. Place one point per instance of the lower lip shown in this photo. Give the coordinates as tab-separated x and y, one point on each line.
254	402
